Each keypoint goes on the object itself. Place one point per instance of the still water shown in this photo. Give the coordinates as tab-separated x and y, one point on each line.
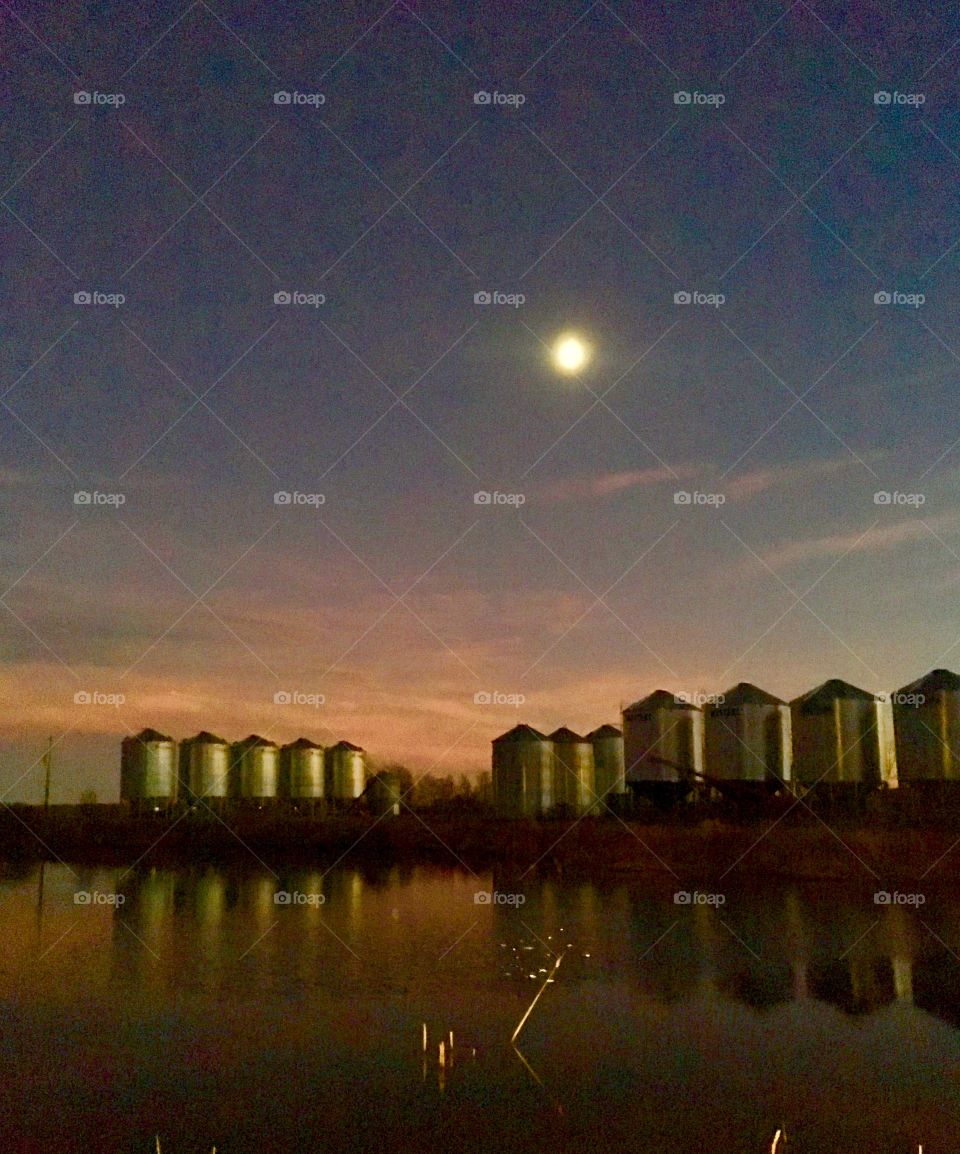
202	1010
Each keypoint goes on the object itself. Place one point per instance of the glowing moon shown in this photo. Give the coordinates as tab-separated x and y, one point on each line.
570	354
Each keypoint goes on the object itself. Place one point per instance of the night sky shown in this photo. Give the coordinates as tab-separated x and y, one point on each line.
783	197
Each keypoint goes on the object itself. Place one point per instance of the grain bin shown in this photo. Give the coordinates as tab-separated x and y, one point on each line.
256	769
345	771
205	767
608	762
842	740
523	772
747	742
662	746
148	770
301	770
573	772
926	719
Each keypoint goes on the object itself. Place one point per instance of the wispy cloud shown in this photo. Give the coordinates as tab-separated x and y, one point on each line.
877	539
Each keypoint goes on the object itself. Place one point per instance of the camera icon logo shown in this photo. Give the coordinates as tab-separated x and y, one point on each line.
682	297
882	498
82	98
282	697
881	898
882	97
681	898
882	298
282	298
481	898
81	898
82	697
482	698
682	98
281	898
282	497
681	497
82	497
481	498
82	298
282	98
482	298
482	98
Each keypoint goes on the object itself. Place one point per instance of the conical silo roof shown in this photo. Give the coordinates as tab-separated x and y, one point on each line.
746	693
302	743
151	735
833	690
603	731
348	746
256	739
659	699
935	682
564	735
204	737
520	733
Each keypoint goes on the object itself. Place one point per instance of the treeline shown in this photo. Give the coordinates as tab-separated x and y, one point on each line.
435	792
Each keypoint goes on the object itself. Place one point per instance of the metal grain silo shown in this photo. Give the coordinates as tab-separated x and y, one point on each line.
205	767
301	770
523	772
574	779
747	741
842	736
608	762
662	746
345	771
383	794
256	768
148	770
926	719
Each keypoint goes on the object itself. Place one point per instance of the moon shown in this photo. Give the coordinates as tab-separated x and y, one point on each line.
570	353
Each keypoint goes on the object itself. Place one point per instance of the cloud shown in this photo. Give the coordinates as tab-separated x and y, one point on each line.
877	539
604	484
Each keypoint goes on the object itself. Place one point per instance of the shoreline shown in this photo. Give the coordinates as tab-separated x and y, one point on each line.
801	849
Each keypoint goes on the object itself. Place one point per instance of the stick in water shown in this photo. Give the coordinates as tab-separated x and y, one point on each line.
546	982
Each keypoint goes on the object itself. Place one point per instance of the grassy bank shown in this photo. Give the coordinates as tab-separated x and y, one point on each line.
793	847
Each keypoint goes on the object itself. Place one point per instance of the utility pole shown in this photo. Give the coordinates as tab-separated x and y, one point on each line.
47	759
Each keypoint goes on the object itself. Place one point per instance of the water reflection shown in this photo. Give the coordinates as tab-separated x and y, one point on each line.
334	990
